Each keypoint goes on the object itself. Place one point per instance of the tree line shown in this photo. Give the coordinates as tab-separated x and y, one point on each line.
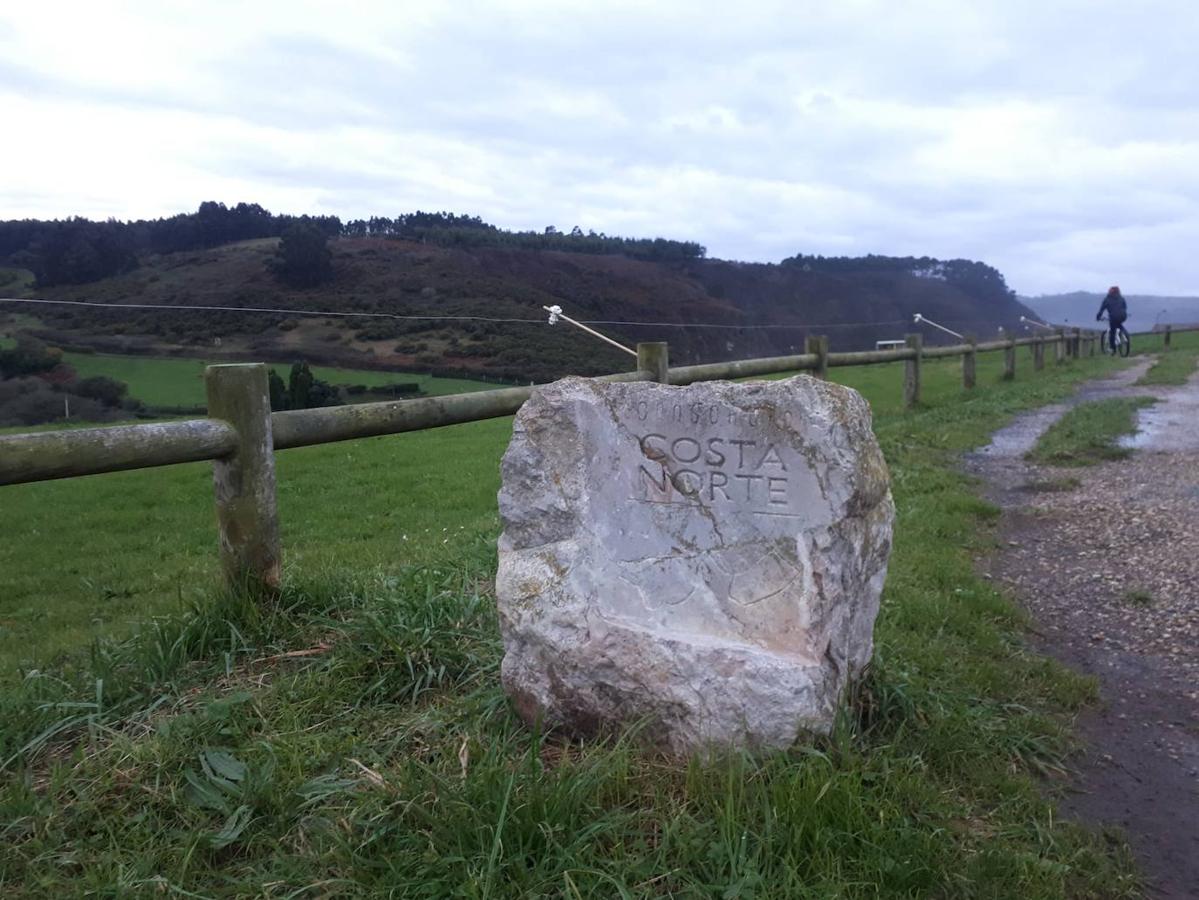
449	229
975	278
79	250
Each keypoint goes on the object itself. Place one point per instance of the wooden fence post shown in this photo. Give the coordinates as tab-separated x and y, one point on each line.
1059	346
1076	340
818	344
247	518
1038	353
1166	338
654	356
1009	356
968	362
911	371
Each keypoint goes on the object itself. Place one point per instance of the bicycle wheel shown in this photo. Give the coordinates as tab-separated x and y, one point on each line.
1124	343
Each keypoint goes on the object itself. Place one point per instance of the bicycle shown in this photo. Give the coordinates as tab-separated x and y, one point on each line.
1123	341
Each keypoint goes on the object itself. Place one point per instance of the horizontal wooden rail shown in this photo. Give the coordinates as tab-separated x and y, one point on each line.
946	352
324	425
870	357
743	368
305	427
47	455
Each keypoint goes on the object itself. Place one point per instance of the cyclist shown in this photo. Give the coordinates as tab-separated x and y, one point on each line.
1116	308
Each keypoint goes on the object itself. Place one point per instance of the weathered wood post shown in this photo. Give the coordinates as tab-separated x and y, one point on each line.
818	344
1009	356
968	362
1166	338
247	518
654	356
911	370
1076	340
1038	353
1059	346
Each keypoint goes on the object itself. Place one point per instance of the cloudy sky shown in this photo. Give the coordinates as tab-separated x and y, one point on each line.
1058	141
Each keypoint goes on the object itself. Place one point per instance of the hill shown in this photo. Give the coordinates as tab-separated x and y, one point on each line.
1144	310
707	309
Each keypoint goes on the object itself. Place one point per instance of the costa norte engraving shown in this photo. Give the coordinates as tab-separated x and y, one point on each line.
713	470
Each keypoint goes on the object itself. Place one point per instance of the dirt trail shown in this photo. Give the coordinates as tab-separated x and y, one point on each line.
1110	571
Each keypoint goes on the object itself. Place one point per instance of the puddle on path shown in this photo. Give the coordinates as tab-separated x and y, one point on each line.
1171	424
1019	436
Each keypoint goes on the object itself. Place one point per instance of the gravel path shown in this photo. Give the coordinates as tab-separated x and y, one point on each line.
1109	570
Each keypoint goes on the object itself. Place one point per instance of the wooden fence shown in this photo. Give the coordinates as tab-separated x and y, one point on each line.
241	434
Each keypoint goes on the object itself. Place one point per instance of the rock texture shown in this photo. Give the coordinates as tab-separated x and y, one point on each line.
704	563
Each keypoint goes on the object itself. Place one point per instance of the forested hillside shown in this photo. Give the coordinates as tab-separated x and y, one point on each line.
464	280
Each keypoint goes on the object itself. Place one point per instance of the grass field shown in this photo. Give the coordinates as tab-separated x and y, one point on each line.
196	759
1171	368
180	382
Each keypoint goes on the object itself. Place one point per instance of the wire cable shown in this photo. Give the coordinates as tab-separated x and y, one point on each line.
264	309
459	318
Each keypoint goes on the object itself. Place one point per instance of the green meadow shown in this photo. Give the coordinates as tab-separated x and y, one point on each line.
160	736
180	382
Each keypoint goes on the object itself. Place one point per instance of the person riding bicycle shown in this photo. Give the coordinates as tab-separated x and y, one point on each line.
1116	308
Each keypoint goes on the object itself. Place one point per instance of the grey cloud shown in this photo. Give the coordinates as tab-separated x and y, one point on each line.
1052	140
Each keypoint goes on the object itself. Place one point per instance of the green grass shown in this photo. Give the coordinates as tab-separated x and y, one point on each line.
1174	366
195	759
1139	597
1087	434
142	543
180	382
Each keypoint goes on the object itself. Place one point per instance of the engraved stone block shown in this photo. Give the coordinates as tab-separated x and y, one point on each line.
702	562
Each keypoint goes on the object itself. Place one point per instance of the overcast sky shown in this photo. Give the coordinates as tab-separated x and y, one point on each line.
1057	141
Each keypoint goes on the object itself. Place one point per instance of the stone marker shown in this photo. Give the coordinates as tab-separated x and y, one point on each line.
703	562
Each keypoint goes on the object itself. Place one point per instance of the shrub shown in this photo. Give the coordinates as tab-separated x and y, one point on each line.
31	401
303	390
107	390
29	357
